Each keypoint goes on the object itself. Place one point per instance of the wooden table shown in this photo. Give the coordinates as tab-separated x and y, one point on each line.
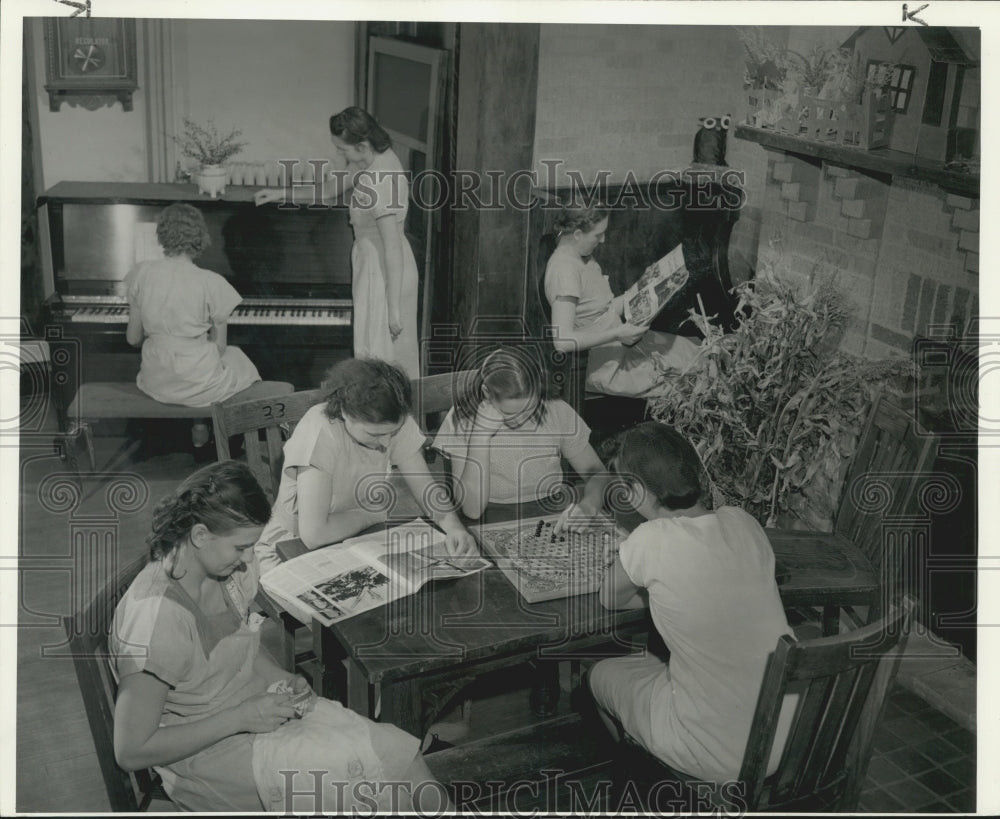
415	653
823	569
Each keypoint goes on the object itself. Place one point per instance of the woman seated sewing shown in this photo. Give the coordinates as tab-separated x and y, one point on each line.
200	701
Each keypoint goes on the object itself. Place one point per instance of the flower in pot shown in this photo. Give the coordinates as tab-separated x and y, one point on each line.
814	70
210	149
765	70
765	67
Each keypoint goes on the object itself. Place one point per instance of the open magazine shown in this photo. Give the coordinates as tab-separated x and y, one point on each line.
656	287
340	581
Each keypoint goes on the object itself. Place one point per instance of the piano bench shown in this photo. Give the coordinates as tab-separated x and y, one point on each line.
99	400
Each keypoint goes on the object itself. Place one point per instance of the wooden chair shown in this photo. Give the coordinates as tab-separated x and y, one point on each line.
265	425
880	484
842	682
88	641
434	395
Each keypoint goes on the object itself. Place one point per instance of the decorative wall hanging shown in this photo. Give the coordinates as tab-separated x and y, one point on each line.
90	61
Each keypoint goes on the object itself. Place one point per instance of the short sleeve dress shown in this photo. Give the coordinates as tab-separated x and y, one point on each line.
525	463
356	472
714	600
613	368
208	664
178	303
381	190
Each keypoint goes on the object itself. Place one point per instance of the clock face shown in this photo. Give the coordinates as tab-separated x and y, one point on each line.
90	61
88	58
86	49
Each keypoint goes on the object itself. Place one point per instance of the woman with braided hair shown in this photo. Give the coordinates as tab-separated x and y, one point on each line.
199	700
344	448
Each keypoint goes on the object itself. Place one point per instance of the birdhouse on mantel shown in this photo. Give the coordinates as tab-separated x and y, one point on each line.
934	85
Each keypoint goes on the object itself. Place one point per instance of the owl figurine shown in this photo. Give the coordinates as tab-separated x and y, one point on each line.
710	140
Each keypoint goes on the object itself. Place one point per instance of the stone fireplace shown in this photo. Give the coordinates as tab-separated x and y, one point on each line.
900	234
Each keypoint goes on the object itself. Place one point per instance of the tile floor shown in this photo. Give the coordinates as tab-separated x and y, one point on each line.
924	762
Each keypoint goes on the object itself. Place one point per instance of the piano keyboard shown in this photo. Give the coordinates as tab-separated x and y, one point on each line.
284	312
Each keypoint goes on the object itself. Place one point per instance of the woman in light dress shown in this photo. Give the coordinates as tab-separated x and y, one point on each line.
624	358
384	270
200	701
178	313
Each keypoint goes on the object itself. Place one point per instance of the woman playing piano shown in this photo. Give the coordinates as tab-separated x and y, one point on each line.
384	285
178	313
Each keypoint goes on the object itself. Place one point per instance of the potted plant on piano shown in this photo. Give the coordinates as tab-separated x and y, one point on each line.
210	149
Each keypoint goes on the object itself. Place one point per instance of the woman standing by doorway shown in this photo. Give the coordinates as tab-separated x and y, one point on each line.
384	270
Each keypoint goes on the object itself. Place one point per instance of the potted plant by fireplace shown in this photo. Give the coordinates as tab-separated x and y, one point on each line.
774	407
210	149
763	77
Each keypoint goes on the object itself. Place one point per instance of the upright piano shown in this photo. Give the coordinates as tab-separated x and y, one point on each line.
292	265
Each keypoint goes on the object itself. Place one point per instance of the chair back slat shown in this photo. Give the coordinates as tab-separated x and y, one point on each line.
842	682
827	752
256	460
88	631
434	395
274	441
812	706
880	481
264	423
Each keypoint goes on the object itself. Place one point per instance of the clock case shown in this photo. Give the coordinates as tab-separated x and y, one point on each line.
115	79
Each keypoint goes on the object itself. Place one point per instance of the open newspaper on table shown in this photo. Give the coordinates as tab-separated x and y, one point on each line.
660	282
339	581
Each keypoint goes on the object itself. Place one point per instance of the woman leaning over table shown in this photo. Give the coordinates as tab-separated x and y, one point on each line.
340	452
384	280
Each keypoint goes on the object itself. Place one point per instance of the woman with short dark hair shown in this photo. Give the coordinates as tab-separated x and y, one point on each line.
333	479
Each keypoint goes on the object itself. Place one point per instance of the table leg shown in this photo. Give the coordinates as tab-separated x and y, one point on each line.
831	620
402	705
359	691
329	655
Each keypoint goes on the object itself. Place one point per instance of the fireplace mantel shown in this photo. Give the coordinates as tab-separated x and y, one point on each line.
880	160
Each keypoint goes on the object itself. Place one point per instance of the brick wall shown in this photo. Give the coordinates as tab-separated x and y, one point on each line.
905	253
627	98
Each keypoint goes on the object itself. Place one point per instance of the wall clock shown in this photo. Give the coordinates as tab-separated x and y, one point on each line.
90	61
